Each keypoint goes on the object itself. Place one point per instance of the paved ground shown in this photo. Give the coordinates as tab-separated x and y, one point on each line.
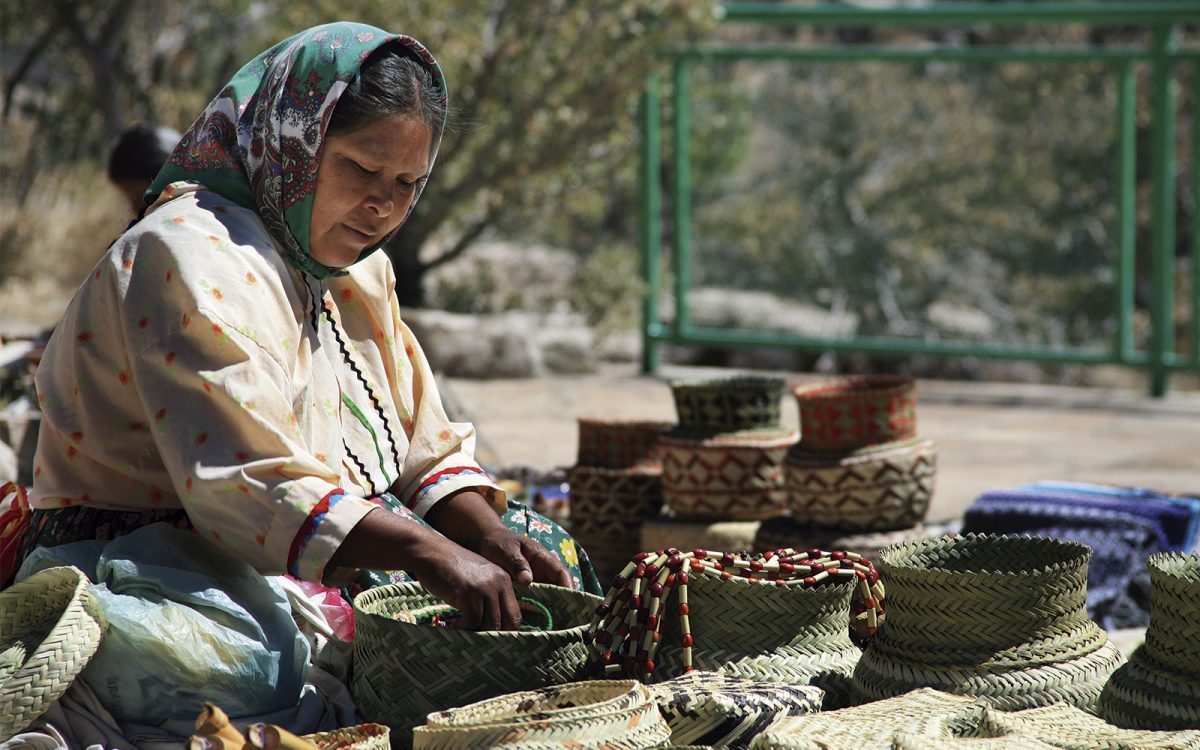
989	435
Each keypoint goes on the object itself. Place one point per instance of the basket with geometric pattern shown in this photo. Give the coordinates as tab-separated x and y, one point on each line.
608	508
405	671
619	444
599	715
856	411
728	404
880	488
734	476
50	627
1000	618
1160	686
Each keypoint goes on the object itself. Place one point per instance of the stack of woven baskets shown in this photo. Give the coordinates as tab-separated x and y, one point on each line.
615	485
860	478
725	459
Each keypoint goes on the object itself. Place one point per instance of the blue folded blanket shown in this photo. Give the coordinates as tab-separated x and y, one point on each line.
1123	527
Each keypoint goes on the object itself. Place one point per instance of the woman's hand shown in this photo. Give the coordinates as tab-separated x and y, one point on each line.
478	588
468	519
522	558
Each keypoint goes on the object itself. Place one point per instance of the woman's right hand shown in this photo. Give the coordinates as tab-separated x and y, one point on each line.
481	590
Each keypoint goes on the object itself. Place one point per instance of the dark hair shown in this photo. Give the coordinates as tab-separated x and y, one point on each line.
389	83
140	152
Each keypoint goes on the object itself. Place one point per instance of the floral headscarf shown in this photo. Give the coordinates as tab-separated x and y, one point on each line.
258	143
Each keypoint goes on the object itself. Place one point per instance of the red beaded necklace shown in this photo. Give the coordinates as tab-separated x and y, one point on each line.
624	632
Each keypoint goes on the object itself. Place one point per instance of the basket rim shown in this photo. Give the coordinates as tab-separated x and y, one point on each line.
655	425
1175	568
393	590
898	558
756	437
807	458
734	382
64	588
853	385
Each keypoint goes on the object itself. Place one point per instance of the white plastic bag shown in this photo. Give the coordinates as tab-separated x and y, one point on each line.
188	622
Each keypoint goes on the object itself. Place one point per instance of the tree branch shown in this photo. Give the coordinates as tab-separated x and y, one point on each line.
23	65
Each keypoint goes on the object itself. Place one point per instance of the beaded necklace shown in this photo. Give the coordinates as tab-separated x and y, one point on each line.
624	633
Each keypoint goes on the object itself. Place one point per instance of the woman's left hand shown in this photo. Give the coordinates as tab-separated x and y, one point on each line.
467	518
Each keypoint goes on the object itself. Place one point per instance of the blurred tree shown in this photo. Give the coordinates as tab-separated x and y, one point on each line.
76	73
542	94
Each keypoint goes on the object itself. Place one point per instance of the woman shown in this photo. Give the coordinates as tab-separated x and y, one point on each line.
237	362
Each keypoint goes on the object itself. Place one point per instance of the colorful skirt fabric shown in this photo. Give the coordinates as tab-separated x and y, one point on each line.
56	526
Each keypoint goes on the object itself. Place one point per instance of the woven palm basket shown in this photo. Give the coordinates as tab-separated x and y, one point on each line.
880	488
605	714
922	713
1000	618
50	627
620	444
360	737
735	477
728	404
608	508
794	635
1160	686
716	710
404	671
856	411
785	531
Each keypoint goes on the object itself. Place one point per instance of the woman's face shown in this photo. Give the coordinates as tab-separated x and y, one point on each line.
365	183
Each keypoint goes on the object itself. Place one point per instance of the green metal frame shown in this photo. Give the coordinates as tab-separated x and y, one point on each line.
1162	17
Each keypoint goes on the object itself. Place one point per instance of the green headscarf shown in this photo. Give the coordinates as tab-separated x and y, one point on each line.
258	143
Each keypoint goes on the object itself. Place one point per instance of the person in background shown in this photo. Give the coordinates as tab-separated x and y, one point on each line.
135	159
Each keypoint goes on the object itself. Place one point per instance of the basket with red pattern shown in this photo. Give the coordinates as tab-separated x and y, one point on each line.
620	444
856	411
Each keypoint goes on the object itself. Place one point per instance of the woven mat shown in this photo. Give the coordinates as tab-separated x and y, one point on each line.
929	720
604	714
925	713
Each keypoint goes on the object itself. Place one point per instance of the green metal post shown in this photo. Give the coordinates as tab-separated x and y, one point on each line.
650	218
1195	285
1126	230
682	224
1162	208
